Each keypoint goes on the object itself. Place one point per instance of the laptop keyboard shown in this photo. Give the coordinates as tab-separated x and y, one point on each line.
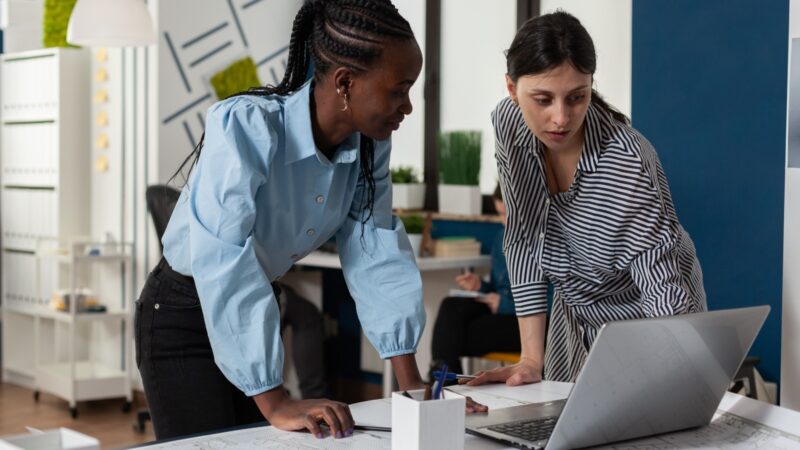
531	430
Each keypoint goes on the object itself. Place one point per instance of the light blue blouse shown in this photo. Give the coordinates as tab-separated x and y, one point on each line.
261	197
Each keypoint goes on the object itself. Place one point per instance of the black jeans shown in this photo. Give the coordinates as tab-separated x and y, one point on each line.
465	327
186	392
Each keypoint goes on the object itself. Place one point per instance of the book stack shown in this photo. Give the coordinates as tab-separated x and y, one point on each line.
457	246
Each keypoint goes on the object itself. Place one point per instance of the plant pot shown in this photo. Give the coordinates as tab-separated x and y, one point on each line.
459	199
408	196
416	243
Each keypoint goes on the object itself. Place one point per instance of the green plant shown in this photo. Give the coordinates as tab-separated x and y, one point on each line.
56	18
460	157
240	76
404	175
414	223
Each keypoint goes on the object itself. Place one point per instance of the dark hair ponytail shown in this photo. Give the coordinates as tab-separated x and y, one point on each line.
327	34
547	41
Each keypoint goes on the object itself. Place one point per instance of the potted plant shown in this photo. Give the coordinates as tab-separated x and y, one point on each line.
407	191
459	171
414	225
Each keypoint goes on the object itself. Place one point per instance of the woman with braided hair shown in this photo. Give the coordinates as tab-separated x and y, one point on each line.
280	170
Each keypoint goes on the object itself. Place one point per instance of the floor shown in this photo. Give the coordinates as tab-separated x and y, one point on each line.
104	419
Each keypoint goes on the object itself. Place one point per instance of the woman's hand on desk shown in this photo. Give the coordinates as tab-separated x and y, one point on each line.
289	414
523	372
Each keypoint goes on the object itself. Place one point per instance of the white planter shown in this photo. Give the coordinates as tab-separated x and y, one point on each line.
408	196
459	199
416	243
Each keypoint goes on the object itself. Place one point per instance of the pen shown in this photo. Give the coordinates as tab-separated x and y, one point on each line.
440	382
371	428
453	375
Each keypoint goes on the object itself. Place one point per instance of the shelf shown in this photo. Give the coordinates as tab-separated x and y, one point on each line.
487	218
93	380
66	317
29	372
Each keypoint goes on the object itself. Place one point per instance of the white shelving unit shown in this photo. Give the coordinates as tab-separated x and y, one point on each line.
81	371
45	189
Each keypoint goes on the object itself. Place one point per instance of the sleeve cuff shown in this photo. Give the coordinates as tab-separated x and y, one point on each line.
261	388
530	298
387	355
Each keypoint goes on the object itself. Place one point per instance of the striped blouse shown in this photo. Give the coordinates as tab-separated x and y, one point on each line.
611	245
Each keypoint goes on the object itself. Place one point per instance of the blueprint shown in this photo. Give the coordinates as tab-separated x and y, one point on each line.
726	431
272	438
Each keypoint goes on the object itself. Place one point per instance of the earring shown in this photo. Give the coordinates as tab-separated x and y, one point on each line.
346	101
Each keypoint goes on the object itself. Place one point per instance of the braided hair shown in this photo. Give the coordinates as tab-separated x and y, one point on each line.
328	34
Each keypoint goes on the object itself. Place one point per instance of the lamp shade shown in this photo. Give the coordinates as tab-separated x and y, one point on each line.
110	23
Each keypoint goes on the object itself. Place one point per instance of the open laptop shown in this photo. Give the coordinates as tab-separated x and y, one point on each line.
642	377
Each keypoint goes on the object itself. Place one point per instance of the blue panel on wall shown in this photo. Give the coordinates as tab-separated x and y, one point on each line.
709	91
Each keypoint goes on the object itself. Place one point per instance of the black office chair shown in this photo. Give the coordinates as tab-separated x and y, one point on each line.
161	200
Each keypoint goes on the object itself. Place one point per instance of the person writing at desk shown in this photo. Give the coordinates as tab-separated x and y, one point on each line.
280	170
589	209
474	327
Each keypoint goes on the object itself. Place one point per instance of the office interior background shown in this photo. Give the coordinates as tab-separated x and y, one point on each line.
714	85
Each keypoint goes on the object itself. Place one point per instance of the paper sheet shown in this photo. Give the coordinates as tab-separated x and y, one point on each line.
502	396
726	431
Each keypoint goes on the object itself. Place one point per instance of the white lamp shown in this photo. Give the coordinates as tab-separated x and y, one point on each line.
110	23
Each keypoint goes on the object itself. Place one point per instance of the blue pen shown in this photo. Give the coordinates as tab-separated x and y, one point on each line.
440	382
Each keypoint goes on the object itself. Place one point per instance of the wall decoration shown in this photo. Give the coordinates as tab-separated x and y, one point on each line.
56	17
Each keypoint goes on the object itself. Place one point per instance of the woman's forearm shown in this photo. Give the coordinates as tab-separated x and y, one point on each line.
406	371
531	335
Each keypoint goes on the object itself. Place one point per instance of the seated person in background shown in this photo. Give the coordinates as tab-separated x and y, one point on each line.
476	326
305	320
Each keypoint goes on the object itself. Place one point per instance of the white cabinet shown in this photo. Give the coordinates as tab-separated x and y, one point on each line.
43	185
45	200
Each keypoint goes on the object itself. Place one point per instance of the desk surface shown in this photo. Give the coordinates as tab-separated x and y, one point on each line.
327	260
740	422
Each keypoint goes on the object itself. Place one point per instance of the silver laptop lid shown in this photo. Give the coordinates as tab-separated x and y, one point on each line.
649	376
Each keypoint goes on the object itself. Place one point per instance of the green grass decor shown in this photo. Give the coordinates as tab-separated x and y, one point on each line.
56	18
460	157
404	175
240	76
414	224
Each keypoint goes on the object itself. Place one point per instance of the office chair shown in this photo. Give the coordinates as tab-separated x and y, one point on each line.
161	200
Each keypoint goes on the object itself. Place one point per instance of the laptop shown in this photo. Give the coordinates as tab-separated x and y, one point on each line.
642	377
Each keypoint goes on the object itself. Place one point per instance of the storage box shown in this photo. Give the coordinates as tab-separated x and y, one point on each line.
59	439
423	424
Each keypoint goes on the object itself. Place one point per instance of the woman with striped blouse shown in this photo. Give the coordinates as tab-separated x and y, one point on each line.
589	209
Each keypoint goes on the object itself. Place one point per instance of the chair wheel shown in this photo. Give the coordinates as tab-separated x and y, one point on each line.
126	407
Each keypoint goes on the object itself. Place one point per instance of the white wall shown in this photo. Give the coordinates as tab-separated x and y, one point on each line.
790	338
191	49
609	22
474	35
408	143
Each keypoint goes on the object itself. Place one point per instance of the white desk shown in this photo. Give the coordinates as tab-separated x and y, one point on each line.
755	424
438	276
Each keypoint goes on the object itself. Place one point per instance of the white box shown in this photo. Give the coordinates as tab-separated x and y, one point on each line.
59	439
424	424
